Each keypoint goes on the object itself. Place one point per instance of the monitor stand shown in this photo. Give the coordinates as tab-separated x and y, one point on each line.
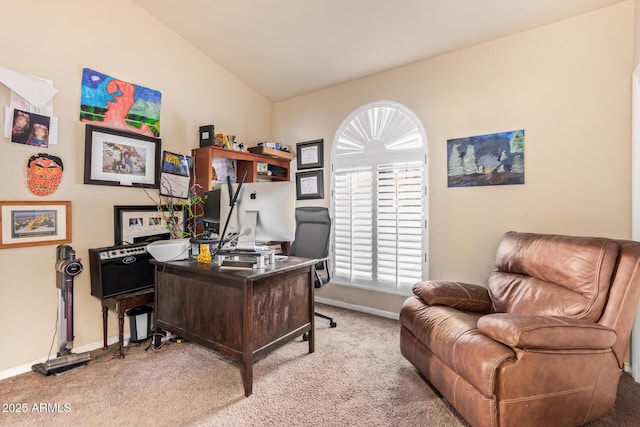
247	239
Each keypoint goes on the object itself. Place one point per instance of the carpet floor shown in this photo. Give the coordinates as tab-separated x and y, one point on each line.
355	377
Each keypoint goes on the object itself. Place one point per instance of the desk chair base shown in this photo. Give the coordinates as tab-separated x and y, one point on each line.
332	324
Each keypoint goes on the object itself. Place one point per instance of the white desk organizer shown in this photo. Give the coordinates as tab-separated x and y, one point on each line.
259	258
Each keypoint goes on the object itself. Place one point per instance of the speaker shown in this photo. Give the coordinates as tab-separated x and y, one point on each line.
120	269
207	135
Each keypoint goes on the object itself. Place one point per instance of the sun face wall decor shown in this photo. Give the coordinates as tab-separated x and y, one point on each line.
44	173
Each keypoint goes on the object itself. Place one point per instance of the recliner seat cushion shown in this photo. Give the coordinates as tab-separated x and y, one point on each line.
552	275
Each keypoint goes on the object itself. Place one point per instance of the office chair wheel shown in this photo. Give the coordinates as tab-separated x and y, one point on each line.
305	336
332	324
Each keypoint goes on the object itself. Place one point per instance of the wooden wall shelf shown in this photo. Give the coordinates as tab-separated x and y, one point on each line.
203	156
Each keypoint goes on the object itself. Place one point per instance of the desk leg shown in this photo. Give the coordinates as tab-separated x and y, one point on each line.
105	315
312	339
247	376
311	335
121	333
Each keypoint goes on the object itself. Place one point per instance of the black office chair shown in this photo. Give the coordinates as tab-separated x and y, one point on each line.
313	230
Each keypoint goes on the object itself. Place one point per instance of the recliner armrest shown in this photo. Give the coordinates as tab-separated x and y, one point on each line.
462	296
546	332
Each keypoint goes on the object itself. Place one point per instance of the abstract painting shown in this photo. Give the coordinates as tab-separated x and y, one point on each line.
109	102
492	159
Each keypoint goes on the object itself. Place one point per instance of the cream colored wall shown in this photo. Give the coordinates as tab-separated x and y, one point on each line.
566	84
636	39
55	40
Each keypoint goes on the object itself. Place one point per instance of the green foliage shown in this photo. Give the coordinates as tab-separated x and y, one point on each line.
182	217
517	142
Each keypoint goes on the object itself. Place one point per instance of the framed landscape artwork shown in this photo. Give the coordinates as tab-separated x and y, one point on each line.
492	159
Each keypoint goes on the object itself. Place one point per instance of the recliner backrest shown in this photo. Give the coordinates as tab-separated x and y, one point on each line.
552	275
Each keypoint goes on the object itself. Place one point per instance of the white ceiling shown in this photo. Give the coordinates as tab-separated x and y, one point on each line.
286	48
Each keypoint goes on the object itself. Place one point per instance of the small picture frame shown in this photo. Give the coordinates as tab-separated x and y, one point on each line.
34	223
120	158
147	223
310	185
310	154
175	175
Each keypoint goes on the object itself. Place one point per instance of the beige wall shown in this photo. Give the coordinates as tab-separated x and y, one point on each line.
566	84
55	40
636	38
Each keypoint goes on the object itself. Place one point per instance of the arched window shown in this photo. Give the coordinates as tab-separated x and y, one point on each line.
379	198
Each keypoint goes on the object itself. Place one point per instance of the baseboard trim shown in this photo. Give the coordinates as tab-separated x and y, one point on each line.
361	308
22	369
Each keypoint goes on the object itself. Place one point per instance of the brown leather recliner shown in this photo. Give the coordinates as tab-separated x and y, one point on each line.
543	344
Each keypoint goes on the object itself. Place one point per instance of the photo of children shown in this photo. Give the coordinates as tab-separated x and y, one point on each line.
39	136
123	159
20	130
30	128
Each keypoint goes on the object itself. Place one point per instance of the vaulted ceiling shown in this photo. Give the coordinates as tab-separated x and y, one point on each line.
287	48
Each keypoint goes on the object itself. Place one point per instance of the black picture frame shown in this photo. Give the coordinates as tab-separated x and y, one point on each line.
134	224
310	185
106	162
310	154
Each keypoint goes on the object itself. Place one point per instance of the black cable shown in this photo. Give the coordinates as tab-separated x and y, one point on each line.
232	204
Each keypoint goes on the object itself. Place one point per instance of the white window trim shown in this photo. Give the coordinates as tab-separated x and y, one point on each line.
373	159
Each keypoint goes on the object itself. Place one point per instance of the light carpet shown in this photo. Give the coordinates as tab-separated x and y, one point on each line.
355	377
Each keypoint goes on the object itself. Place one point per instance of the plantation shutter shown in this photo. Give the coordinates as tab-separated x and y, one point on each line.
353	224
379	199
400	224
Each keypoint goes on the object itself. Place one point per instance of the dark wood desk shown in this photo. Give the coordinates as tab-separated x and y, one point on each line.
241	314
120	304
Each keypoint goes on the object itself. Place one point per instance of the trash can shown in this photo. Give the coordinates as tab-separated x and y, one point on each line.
140	323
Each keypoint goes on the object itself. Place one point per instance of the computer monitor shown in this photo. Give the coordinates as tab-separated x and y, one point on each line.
211	211
264	212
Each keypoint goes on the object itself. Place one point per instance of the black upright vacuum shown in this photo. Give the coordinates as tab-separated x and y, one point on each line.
67	267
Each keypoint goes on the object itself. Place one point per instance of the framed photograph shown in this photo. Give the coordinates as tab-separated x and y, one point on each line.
34	223
309	185
310	154
135	224
120	158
